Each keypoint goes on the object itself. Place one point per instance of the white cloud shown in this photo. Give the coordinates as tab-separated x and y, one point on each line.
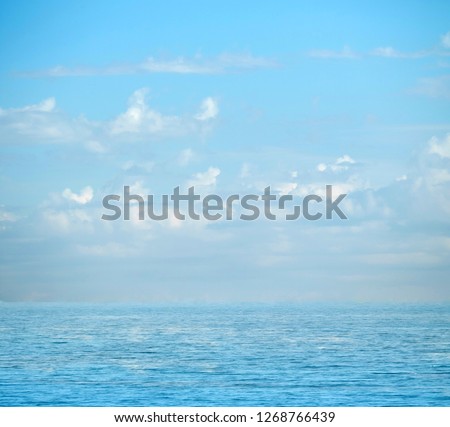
430	183
442	149
74	220
42	123
286	187
433	87
321	167
205	179
139	117
341	164
345	53
59	220
390	52
174	222
386	52
96	147
46	106
138	167
445	40
138	224
140	120
209	109
139	188
344	159
181	65
6	216
245	171
185	157
246	61
177	66
294	174
84	197
438	177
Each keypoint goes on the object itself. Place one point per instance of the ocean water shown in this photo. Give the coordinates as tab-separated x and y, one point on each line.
223	355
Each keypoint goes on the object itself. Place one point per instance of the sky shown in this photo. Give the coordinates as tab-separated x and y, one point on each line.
230	97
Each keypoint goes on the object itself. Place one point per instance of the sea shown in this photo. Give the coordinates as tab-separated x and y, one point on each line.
292	355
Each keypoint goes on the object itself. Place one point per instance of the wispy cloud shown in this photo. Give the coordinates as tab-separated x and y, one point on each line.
442	49
345	53
45	106
390	52
433	87
181	65
41	121
6	216
445	40
185	157
382	52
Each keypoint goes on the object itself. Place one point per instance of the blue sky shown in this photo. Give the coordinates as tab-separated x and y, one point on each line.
233	97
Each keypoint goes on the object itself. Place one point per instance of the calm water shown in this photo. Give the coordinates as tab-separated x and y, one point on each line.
246	355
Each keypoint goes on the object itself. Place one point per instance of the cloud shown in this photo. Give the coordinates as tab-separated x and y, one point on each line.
429	182
344	159
442	149
139	188
438	177
286	187
45	106
198	65
185	157
209	110
139	118
341	164
40	122
96	147
73	220
385	52
345	53
390	52
6	216
433	87
245	171
205	179
177	66
382	52
134	167
321	167
84	197
445	40
43	123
